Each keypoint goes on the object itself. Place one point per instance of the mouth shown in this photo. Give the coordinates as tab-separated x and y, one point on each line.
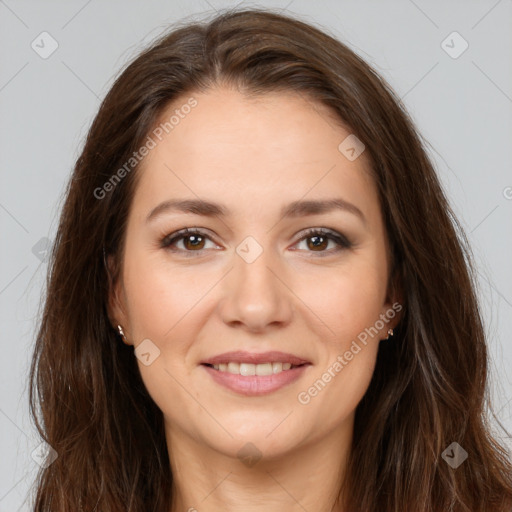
255	358
252	374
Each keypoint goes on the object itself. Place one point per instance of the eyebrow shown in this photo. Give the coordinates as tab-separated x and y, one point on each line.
294	209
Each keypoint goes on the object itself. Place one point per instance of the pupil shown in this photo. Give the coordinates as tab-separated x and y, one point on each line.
194	240
317	238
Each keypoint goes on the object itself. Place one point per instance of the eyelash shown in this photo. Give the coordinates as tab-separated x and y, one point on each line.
342	241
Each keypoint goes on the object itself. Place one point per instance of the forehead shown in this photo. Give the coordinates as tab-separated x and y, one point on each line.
285	122
246	150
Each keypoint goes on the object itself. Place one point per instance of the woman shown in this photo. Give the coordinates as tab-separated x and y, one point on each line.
254	216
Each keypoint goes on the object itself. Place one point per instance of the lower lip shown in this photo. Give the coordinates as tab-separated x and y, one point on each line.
256	385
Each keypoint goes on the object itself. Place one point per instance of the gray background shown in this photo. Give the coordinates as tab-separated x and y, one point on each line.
462	106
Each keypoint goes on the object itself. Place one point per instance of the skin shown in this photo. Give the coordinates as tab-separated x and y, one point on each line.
254	155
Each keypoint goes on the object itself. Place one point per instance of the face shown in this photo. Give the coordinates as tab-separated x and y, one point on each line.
268	269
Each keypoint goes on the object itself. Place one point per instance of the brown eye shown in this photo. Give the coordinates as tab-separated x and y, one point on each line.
318	242
195	241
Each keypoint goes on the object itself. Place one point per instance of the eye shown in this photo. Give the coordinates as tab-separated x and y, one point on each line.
320	238
194	241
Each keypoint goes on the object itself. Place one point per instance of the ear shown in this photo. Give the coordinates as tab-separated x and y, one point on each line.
116	307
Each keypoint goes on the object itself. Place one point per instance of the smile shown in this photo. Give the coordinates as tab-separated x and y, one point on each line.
247	369
244	379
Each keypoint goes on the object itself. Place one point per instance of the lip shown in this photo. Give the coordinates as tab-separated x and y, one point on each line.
242	356
255	385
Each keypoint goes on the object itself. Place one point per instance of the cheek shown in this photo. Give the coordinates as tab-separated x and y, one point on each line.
344	372
348	300
351	309
162	302
160	295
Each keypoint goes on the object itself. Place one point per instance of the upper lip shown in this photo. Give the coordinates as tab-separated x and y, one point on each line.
241	356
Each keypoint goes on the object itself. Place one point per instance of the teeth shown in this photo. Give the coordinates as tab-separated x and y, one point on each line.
233	368
248	369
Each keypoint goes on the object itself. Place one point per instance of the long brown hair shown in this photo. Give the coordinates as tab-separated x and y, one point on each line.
429	388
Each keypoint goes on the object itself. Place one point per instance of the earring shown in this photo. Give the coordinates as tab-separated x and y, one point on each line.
120	329
390	333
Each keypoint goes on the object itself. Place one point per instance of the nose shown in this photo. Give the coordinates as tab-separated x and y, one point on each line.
255	294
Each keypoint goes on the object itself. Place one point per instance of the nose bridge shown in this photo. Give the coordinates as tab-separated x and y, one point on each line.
252	269
255	296
253	262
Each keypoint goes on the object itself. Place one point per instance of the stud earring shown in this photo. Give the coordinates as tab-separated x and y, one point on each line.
120	329
390	333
